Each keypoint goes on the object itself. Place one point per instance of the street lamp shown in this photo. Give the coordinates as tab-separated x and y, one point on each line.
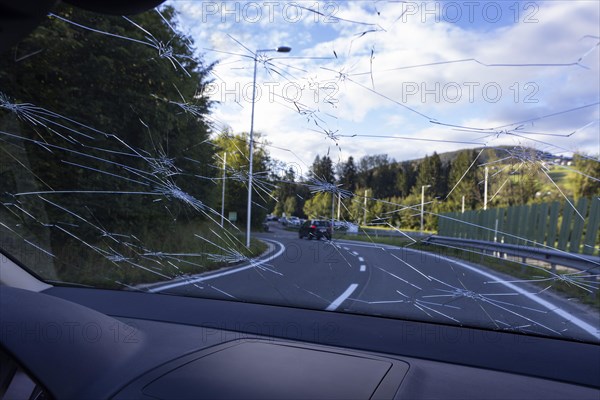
485	189
223	189
423	203
282	49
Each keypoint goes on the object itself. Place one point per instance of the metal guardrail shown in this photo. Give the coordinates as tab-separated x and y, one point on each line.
553	257
388	233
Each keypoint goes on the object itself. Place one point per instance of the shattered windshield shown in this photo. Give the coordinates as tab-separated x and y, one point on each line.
451	150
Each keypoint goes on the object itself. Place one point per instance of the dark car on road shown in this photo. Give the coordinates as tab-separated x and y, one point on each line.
314	228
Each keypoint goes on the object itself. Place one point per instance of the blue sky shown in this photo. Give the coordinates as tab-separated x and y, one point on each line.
406	70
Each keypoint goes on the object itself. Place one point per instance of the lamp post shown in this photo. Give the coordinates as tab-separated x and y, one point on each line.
282	49
223	189
485	189
423	203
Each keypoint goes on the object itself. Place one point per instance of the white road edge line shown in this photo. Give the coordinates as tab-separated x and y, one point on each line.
220	274
369	245
532	296
363	268
592	330
337	302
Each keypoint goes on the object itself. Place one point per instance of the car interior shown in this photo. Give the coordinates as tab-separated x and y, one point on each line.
72	341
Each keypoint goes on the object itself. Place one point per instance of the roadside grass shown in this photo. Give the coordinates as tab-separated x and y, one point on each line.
188	249
563	177
512	270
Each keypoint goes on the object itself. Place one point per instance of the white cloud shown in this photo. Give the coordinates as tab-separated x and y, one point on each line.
490	96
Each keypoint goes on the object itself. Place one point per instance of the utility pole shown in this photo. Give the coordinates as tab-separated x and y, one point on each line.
485	189
365	208
423	204
463	205
332	211
339	205
223	190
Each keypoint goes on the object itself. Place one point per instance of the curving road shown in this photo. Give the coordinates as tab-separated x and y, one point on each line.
389	281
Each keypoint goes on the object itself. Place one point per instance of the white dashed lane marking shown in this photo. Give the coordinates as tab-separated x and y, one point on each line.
337	302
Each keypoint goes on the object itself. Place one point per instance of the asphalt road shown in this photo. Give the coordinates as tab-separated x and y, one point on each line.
389	281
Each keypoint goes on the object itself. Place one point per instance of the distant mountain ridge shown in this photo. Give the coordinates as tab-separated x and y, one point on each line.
490	154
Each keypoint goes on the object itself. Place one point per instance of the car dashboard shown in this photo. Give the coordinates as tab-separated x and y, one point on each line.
76	343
